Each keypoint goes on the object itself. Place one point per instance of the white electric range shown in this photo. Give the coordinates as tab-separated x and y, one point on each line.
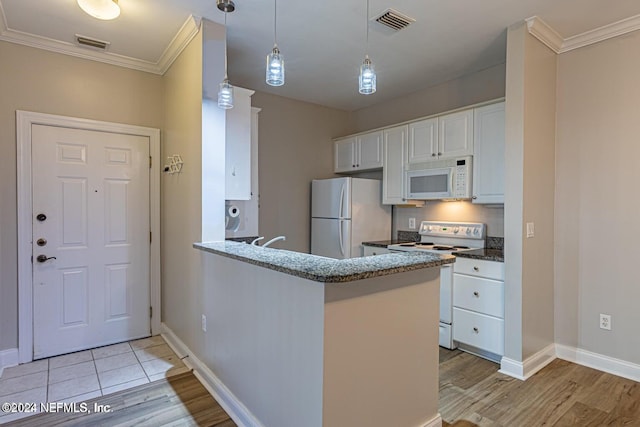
446	238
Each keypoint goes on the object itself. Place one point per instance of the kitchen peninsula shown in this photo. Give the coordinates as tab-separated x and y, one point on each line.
303	340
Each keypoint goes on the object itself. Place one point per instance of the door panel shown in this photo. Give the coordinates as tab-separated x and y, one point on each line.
93	188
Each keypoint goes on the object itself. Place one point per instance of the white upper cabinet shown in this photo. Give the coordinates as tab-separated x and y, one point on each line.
423	141
489	161
238	147
344	152
369	147
455	134
358	153
395	157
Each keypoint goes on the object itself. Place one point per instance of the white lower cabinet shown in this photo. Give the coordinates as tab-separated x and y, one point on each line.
478	306
374	250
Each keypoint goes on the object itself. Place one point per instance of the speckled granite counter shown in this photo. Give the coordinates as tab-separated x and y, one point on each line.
326	270
483	254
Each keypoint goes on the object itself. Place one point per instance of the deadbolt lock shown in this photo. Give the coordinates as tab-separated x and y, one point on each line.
41	242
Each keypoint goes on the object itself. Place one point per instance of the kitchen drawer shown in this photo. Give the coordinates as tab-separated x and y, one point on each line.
479	267
479	294
478	330
374	250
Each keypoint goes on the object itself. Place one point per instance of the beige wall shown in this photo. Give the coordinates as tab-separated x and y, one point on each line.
471	89
36	80
181	193
597	209
529	194
294	147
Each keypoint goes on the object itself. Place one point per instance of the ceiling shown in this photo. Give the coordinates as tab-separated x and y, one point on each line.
323	42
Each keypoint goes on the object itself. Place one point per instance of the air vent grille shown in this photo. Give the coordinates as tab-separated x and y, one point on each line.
94	43
395	20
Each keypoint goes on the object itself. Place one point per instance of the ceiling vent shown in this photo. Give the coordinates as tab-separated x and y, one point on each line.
89	42
394	20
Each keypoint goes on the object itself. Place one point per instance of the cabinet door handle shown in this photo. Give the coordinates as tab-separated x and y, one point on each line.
476	269
439	154
433	154
474	197
476	330
476	294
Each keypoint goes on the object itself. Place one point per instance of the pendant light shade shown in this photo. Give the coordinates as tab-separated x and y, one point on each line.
275	68
101	9
367	81
275	60
225	95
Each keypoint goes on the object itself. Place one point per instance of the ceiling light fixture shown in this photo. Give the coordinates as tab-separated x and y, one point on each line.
275	60
101	9
225	92
367	80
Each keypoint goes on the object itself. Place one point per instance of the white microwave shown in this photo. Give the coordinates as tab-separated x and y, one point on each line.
441	179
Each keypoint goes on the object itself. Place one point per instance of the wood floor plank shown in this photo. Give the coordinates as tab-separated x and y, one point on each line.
561	394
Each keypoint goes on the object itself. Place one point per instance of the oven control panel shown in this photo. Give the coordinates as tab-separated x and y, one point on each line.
462	230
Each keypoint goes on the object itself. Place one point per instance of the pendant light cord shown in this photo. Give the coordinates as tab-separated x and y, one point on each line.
226	77
367	29
275	20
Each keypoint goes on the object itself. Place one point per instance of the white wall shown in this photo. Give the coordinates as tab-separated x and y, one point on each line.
597	209
45	82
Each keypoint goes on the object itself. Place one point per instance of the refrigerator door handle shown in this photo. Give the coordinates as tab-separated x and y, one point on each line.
340	237
340	215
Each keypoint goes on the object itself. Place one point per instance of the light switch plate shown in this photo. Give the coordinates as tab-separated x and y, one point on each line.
412	223
530	230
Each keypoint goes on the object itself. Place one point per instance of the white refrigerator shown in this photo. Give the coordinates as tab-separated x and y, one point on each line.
346	212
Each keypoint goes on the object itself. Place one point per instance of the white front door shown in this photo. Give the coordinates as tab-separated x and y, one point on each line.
90	239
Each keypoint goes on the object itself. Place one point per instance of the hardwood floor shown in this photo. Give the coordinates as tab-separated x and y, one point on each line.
473	393
178	401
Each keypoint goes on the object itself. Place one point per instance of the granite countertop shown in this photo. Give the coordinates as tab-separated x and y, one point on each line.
385	243
484	254
322	269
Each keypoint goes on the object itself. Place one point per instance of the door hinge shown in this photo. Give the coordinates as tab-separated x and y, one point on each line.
150	312
150	161
150	237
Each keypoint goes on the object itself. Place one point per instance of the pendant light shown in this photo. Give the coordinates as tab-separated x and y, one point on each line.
275	60
225	91
367	80
101	9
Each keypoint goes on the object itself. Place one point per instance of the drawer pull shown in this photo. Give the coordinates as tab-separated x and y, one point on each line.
476	269
476	330
476	294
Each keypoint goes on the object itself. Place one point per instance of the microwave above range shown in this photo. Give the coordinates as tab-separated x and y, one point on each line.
440	180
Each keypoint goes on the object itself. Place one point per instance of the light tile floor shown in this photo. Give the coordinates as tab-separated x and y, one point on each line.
80	376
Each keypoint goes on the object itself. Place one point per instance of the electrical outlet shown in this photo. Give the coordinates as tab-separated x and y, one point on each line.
204	323
412	223
605	321
530	230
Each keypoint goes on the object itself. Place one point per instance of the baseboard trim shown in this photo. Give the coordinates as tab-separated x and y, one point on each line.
229	402
8	358
434	422
600	362
524	370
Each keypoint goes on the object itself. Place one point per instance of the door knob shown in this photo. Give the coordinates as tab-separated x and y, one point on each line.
44	258
41	217
41	242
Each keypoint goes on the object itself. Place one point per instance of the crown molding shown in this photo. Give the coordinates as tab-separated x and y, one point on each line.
543	32
547	35
189	29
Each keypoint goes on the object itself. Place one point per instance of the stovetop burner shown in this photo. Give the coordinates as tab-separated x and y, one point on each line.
424	243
